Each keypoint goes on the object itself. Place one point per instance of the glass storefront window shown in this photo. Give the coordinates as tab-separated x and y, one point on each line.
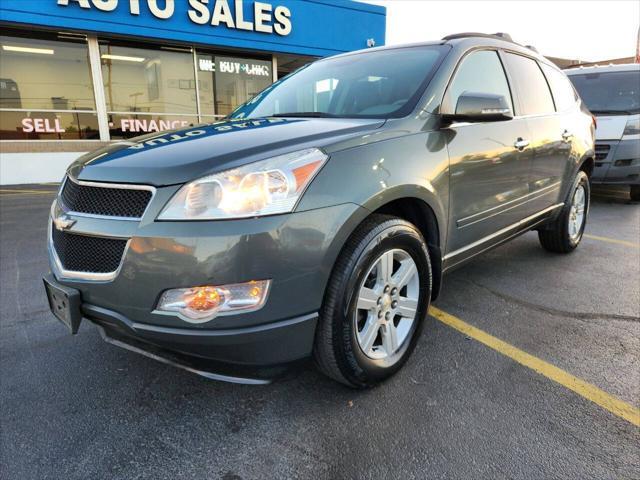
238	80
226	82
148	80
206	67
35	125
47	89
133	125
45	74
210	118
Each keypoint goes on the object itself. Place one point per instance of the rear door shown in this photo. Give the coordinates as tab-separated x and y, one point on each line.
488	173
575	124
550	131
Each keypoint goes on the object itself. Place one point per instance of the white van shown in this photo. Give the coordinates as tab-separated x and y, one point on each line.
612	93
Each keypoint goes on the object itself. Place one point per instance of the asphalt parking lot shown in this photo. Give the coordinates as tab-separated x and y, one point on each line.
77	408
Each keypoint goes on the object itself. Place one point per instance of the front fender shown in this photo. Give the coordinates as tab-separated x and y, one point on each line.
373	175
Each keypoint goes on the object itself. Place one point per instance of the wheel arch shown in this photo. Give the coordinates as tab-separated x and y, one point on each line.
587	164
417	204
421	214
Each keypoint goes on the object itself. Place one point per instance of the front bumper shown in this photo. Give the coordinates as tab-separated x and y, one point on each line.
252	355
295	251
617	162
273	344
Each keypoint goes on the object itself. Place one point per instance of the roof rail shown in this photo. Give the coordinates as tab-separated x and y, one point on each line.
498	36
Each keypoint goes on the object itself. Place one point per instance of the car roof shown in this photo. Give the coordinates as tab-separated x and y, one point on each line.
625	67
384	47
462	41
469	40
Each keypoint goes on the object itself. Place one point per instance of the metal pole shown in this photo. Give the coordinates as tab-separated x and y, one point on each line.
638	47
98	87
195	72
274	67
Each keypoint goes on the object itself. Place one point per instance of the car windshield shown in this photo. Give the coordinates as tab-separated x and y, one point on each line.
610	92
376	84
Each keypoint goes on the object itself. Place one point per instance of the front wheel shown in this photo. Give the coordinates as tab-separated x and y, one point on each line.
375	304
634	193
565	233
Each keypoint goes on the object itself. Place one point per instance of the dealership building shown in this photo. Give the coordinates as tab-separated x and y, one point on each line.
78	74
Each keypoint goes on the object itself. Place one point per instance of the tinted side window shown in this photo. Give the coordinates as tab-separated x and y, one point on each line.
533	92
479	72
563	93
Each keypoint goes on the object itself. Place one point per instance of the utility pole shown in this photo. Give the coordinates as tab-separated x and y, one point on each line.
638	46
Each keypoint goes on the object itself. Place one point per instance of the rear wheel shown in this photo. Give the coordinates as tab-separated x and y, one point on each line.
375	304
565	233
634	193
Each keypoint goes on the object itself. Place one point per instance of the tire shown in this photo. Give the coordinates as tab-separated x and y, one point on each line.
357	301
563	236
634	193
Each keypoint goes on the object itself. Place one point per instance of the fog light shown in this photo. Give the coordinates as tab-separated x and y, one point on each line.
201	304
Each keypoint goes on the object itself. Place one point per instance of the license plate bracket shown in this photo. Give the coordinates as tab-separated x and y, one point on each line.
64	303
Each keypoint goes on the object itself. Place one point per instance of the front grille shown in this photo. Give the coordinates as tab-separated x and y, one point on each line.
112	202
80	253
602	150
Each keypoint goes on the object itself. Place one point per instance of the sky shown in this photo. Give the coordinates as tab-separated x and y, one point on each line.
574	29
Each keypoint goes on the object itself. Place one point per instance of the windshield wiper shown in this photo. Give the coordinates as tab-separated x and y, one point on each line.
612	112
305	114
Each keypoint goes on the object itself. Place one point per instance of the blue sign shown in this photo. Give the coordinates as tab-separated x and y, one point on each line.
305	27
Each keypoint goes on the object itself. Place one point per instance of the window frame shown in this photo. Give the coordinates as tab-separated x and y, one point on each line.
517	114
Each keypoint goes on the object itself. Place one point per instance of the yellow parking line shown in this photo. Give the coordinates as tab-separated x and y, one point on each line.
612	240
582	388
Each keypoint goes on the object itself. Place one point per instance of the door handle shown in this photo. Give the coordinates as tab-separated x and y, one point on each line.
567	136
521	143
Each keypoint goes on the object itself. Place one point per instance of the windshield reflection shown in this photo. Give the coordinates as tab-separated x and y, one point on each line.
376	84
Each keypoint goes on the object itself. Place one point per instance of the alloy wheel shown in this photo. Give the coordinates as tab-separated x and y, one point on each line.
387	304
577	213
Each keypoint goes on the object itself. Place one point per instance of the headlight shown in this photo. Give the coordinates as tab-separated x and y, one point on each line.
632	127
262	188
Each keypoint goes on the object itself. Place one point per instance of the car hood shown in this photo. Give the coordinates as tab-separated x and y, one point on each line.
610	127
182	155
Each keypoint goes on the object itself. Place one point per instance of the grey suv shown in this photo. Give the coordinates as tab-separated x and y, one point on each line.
319	218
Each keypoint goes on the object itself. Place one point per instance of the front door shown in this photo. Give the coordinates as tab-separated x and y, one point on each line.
489	162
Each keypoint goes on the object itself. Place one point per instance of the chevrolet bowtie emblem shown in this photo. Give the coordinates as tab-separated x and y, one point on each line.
63	222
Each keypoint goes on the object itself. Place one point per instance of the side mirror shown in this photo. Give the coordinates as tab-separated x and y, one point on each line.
481	107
